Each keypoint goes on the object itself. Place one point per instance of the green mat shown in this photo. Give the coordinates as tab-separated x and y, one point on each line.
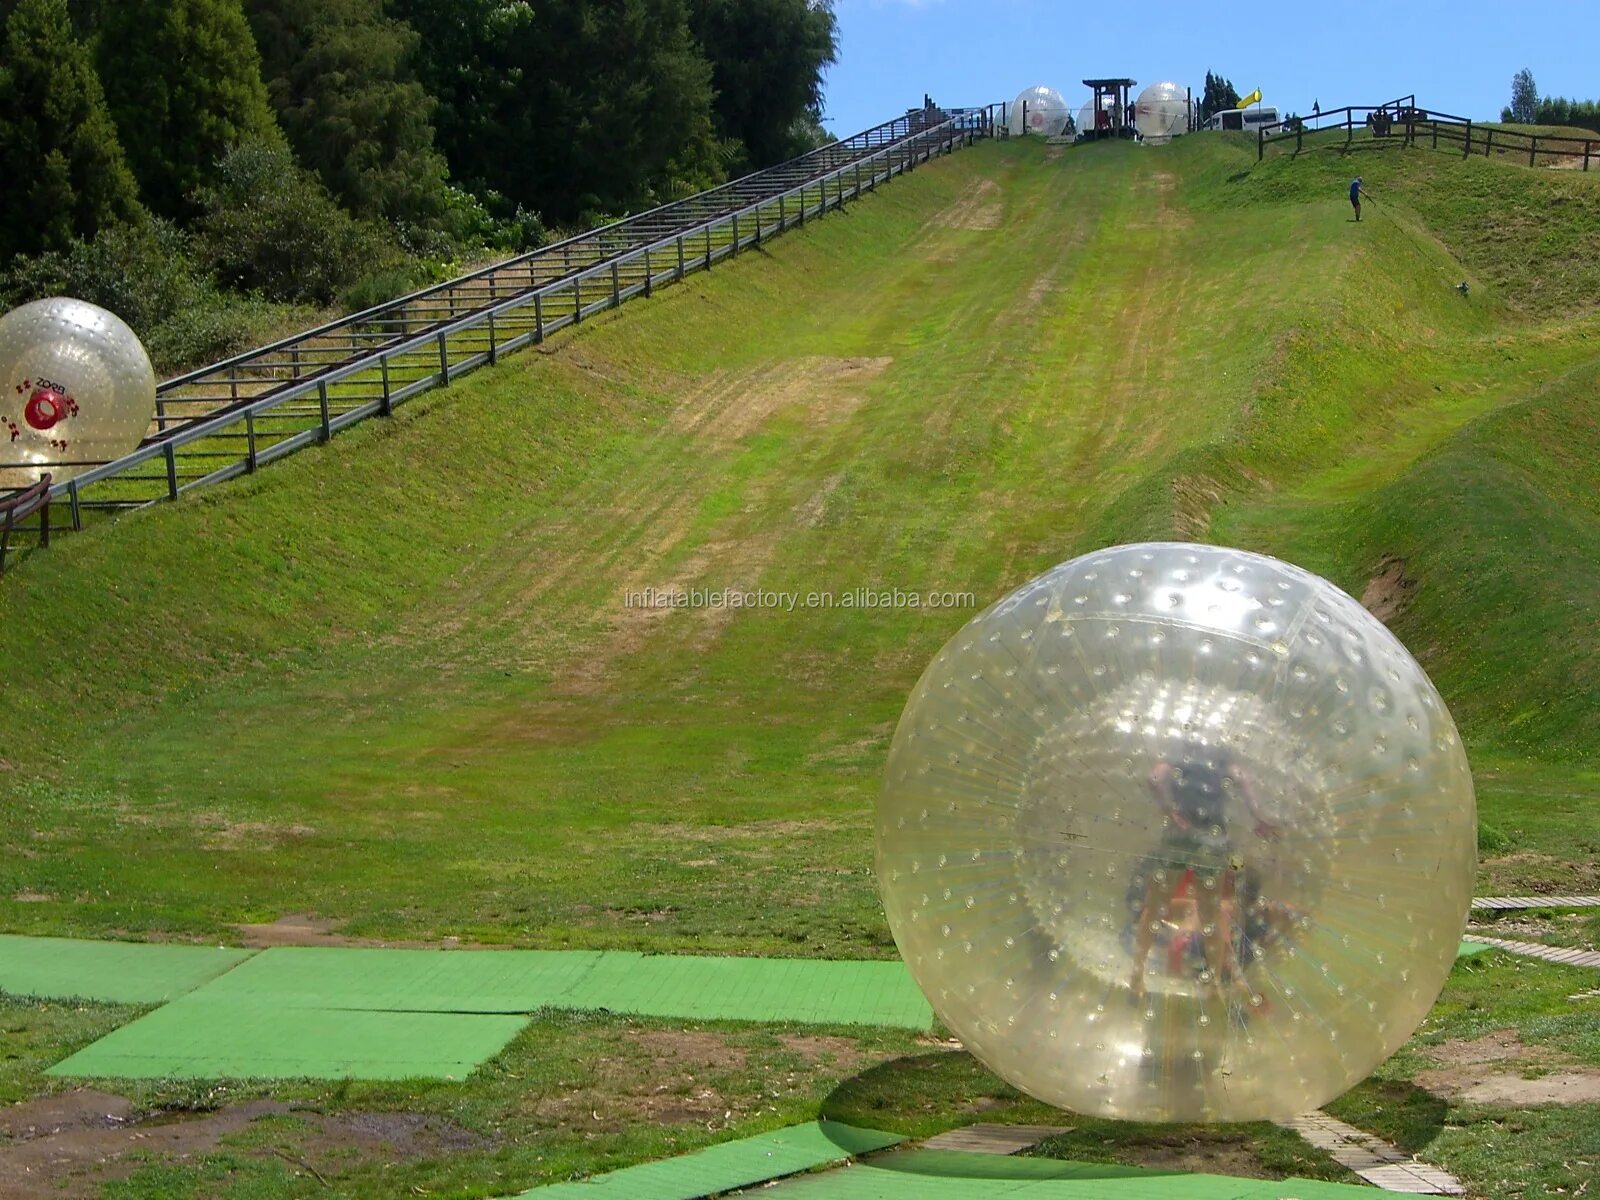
195	1038
958	1175
115	972
519	981
1468	949
727	1166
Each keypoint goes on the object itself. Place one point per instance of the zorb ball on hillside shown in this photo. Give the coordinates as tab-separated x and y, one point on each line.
1177	833
1040	111
76	389
1161	112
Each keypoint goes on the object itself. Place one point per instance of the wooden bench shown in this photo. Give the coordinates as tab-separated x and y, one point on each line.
18	507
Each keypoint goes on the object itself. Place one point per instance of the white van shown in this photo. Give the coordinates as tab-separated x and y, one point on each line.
1246	119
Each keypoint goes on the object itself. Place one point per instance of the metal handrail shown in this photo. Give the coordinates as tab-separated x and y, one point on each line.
712	239
685	212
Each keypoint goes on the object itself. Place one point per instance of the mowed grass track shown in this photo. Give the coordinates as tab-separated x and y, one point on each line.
395	684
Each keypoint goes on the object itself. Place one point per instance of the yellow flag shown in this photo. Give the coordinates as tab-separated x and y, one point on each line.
1253	98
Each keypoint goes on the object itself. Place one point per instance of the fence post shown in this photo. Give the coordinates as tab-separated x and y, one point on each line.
1299	136
444	361
1465	153
73	506
1261	142
322	399
1349	125
44	523
680	257
172	471
577	301
250	463
616	285
708	247
1436	133
538	326
1587	144
735	220
1488	143
1533	146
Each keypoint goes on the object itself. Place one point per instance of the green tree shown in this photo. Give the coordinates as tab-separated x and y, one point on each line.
183	81
1558	110
64	172
339	76
767	59
1524	99
1219	94
570	106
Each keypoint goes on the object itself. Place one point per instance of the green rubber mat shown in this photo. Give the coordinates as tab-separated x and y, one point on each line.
195	1038
727	1166
115	972
519	981
1468	949
756	989
958	1175
441	981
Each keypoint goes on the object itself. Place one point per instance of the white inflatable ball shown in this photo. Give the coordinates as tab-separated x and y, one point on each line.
1178	833
76	390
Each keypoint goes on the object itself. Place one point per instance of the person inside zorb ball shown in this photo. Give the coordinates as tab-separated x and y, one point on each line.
1178	832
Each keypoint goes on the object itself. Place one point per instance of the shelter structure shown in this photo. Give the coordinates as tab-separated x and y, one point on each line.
1112	109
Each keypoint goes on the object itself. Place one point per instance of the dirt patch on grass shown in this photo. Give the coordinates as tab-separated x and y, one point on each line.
1518	1074
1193	497
1389	592
1200	1155
753	831
1580	1085
1528	872
730	407
218	832
294	929
69	1146
662	1077
978	207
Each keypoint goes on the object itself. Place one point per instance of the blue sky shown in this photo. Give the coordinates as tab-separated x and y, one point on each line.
1457	57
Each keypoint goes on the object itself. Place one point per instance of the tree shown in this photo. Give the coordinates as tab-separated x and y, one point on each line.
1524	107
767	59
570	107
1558	110
183	81
1219	94
339	75
64	171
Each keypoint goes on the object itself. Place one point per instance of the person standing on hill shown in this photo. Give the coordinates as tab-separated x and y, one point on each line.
1355	196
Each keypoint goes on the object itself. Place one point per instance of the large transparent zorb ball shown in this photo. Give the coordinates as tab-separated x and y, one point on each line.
76	389
1161	112
1041	111
1178	833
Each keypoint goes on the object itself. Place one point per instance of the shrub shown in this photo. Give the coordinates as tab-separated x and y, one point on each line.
141	272
268	226
380	287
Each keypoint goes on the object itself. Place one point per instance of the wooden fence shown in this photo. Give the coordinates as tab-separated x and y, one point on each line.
1412	126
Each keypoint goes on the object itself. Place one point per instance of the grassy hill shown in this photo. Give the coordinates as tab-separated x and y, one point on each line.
395	683
408	658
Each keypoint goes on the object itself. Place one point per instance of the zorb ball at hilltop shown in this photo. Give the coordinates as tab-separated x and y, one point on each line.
1041	111
76	389
1178	833
1161	112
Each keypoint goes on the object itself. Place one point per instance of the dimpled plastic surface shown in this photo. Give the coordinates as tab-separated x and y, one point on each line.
1038	110
87	376
1179	833
1161	112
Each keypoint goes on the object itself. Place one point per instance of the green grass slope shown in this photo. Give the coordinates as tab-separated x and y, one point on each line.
396	682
